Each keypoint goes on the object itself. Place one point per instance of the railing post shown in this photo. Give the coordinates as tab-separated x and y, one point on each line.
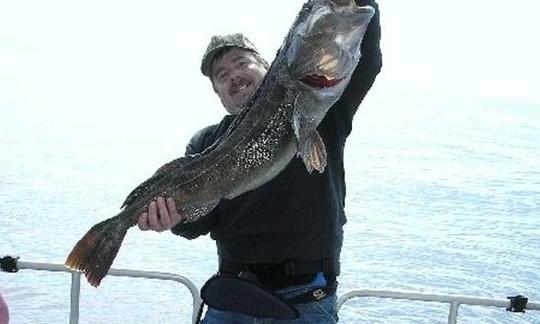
75	297
452	316
196	308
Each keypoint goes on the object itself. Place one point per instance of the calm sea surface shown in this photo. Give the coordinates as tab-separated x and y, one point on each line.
443	197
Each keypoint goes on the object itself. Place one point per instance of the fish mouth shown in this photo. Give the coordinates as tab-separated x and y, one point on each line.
320	81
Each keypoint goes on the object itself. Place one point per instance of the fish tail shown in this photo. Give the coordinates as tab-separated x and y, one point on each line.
96	250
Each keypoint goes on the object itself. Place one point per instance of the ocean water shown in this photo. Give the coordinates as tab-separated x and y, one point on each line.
443	196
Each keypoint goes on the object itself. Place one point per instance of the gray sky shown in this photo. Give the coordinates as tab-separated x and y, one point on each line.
138	61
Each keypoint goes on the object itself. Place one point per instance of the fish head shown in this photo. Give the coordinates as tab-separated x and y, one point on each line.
324	46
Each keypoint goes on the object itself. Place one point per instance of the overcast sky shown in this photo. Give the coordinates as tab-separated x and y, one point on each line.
139	60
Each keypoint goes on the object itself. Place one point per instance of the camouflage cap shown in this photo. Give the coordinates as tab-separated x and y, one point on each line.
221	41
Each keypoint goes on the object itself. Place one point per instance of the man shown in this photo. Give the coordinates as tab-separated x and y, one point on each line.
288	232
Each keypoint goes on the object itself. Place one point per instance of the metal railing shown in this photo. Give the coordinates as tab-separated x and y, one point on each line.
515	304
76	282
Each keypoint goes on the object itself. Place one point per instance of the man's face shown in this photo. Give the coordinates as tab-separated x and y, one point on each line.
236	76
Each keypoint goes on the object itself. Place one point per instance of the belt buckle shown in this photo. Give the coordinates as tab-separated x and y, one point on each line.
318	294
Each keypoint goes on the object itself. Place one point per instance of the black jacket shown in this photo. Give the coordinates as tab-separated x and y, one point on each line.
297	215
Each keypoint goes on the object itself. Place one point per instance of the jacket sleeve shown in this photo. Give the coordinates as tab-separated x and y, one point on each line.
198	143
365	73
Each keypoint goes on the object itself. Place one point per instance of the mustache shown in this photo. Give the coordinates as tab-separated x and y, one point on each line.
237	86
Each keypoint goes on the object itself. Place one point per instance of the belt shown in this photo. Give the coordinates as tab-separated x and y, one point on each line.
314	294
251	298
328	266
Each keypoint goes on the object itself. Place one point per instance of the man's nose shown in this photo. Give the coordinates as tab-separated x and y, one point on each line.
234	76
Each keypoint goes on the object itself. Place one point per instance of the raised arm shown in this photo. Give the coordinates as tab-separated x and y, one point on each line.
365	73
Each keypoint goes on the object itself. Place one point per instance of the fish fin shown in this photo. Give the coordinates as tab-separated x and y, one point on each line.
311	147
313	151
95	252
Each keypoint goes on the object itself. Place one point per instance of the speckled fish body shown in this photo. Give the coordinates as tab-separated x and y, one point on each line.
309	73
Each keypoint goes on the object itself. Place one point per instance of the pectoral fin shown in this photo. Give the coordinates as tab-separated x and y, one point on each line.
311	147
313	152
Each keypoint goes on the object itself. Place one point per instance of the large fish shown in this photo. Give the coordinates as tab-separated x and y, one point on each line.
308	75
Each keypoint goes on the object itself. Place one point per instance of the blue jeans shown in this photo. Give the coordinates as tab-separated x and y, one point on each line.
317	312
